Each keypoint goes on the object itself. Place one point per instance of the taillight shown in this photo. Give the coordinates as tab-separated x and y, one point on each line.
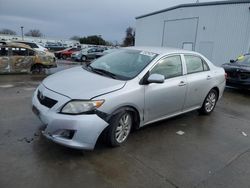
225	75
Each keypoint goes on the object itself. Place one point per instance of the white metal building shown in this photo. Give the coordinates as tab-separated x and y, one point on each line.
219	30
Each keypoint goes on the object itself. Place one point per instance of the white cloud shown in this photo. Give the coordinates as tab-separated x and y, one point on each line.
64	18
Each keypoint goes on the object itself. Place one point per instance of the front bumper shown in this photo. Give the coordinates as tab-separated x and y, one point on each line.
238	83
86	128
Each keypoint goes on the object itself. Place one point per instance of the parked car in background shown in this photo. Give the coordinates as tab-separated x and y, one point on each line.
88	54
52	46
17	57
110	51
66	53
33	45
126	89
238	72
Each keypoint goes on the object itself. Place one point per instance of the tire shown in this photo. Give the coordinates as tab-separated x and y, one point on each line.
64	56
209	102
119	128
83	58
37	69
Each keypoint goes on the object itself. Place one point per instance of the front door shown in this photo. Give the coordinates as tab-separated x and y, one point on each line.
168	98
21	59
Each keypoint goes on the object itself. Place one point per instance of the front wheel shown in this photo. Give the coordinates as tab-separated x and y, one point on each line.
37	69
83	58
120	127
209	102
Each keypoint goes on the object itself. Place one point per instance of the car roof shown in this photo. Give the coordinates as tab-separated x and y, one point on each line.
160	50
20	41
17	45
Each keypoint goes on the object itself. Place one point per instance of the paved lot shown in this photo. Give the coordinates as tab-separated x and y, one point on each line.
213	152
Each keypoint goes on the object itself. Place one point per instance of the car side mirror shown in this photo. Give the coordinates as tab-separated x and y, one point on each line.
232	61
156	78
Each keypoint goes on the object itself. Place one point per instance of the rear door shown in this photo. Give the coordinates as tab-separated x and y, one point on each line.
199	80
165	99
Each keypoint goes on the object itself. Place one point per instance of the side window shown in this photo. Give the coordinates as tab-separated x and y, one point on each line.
31	52
195	64
169	67
205	66
3	51
19	52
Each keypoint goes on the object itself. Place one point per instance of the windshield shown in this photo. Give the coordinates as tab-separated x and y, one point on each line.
124	64
243	60
32	45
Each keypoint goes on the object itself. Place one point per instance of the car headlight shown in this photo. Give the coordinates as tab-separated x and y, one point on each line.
79	107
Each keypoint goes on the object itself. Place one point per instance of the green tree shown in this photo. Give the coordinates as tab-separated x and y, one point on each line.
129	39
94	39
75	38
34	33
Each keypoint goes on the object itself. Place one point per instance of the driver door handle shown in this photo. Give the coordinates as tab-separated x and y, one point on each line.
182	83
209	77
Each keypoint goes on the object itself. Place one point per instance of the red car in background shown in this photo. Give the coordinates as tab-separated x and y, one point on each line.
64	54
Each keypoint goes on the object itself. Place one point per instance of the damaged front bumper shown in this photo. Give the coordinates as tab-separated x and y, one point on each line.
74	131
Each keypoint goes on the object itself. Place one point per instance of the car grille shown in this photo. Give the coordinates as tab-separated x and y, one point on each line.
46	101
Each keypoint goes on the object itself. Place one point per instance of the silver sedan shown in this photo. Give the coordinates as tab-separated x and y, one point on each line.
125	90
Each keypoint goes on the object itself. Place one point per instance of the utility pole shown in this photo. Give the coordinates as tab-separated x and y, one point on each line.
22	31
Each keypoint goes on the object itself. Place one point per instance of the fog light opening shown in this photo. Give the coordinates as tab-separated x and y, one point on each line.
64	133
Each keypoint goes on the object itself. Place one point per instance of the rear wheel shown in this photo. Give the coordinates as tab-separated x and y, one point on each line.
120	127
83	58
209	102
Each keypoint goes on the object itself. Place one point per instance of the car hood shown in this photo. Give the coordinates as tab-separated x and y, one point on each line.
78	83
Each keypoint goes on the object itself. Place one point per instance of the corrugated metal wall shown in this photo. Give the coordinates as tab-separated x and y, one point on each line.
223	30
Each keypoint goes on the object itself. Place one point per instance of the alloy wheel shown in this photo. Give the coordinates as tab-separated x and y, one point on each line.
123	129
210	101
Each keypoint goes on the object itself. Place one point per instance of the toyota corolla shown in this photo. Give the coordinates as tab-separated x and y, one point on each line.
125	90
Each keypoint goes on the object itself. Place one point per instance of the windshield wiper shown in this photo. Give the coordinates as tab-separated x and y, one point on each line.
102	72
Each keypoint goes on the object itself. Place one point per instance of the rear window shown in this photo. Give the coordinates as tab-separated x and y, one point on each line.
244	60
